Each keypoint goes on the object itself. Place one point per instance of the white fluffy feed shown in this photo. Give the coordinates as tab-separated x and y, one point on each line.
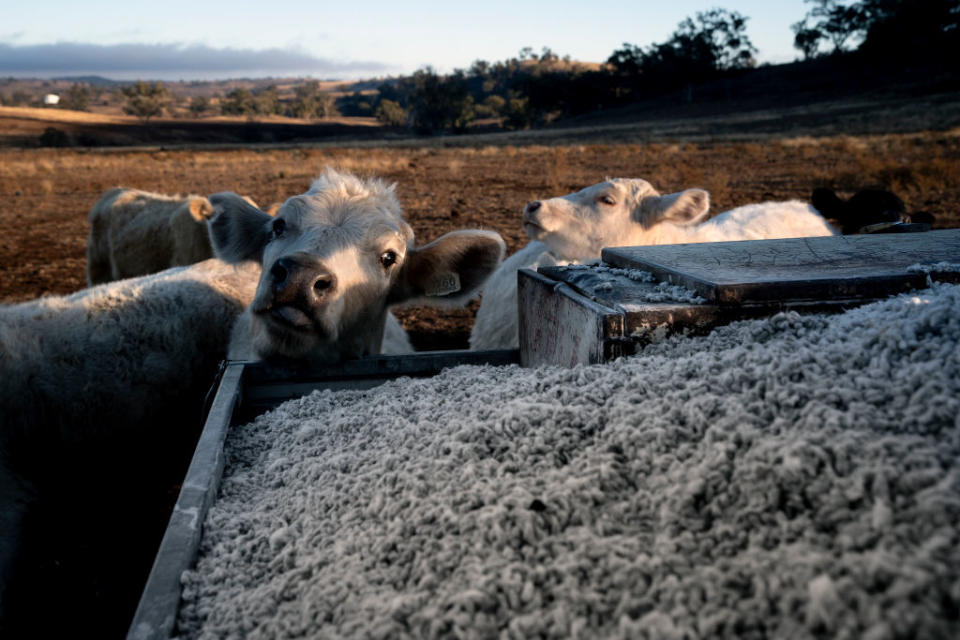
787	477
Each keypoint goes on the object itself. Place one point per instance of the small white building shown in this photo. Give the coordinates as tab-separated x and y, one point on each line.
51	100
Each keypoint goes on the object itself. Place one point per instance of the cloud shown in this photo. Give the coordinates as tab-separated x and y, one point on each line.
172	59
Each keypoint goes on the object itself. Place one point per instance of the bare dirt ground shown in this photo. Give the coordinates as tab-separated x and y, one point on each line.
47	193
483	182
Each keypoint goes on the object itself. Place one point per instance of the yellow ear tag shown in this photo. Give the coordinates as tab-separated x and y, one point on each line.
441	284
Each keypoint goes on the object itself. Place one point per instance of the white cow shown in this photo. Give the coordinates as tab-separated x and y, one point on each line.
624	212
134	233
334	259
125	362
130	361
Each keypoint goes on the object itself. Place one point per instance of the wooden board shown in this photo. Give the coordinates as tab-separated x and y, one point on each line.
795	269
643	319
560	326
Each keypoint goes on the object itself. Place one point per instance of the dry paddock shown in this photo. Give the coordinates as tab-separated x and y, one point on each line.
47	193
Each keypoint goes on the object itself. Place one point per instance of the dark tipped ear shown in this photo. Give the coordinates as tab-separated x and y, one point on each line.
238	230
827	203
449	270
684	208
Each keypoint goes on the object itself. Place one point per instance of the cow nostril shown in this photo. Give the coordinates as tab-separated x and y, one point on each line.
279	272
533	206
323	283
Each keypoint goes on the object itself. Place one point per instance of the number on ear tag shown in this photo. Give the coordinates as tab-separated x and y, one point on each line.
441	284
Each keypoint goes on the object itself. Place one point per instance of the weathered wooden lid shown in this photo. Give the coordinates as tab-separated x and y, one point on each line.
819	268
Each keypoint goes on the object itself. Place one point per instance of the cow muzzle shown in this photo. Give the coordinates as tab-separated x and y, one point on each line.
532	222
299	284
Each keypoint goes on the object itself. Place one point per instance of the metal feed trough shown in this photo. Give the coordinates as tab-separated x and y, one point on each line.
246	390
570	316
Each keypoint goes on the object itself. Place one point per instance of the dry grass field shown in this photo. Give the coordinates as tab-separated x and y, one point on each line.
47	192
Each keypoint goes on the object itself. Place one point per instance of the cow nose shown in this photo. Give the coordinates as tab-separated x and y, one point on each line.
533	206
302	278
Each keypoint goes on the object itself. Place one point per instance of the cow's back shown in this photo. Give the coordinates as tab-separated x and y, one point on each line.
134	355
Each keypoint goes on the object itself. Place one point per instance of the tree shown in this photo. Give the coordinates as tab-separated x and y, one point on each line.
806	39
902	32
238	102
310	102
491	107
518	114
465	112
830	20
479	68
719	37
391	113
327	107
438	102
77	98
199	105
266	101
547	55
628	60
712	42
896	30
145	100
305	100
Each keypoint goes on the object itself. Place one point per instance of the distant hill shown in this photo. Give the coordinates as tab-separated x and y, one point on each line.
815	97
93	81
186	88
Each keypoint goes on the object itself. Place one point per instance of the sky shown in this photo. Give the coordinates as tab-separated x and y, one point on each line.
217	39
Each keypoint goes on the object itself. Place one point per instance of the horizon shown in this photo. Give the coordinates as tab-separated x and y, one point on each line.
250	43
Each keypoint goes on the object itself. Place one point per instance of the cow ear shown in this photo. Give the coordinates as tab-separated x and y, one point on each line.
238	230
826	201
684	208
449	270
200	209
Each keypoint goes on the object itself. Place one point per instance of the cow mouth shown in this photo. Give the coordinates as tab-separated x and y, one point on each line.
533	229
287	318
529	221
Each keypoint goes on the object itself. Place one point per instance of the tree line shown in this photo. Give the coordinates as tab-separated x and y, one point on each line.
533	89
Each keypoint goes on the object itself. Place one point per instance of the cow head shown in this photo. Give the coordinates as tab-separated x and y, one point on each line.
618	212
334	259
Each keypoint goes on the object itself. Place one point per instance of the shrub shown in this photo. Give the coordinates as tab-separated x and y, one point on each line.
391	114
53	137
309	102
238	102
77	98
199	105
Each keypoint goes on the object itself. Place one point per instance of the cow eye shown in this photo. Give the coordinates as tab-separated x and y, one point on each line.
607	200
279	226
388	259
